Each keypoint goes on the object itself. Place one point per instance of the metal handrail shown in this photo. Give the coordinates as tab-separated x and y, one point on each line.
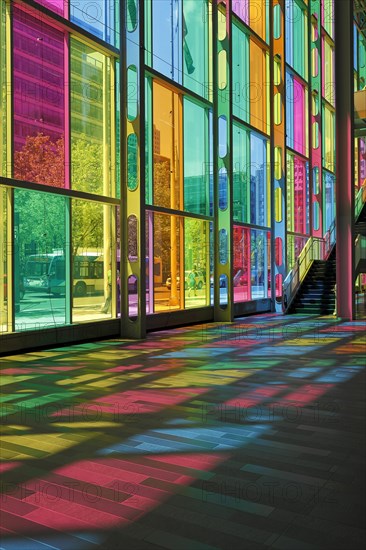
316	248
360	201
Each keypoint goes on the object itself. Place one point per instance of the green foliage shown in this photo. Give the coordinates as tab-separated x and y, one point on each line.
42	218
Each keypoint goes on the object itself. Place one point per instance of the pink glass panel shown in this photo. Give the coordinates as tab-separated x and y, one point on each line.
241	281
39	100
241	9
299	117
299	195
278	251
58	6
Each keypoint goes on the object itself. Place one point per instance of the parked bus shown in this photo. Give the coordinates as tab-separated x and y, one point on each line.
47	273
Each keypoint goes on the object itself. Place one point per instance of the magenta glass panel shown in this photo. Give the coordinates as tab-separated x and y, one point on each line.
241	280
299	117
58	6
39	100
241	9
300	207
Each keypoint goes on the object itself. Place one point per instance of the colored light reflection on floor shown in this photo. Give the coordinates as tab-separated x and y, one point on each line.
99	438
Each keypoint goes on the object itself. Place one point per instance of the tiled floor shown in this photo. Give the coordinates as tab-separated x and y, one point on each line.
242	436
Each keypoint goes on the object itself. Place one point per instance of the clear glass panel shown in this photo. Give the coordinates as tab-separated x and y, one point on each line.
223	284
167	285
39	111
90	120
196	263
132	92
258	180
40	260
93	275
223	188
241	174
223	247
99	18
167	145
259	267
4	249
222	136
133	301
167	38
329	189
241	279
196	159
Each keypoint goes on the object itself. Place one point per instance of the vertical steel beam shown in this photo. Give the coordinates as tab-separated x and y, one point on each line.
222	110
133	197
344	159
278	149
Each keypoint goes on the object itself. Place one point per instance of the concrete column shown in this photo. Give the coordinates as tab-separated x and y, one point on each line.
344	158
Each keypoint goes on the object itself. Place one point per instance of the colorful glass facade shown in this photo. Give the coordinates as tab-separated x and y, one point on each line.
169	157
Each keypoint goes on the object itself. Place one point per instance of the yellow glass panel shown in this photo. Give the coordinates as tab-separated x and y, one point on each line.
277	72
221	25
278	204
278	163
222	57
258	92
277	108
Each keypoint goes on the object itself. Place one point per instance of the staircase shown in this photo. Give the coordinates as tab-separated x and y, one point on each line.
316	294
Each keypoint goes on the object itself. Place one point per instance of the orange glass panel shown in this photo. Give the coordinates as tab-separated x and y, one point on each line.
167	127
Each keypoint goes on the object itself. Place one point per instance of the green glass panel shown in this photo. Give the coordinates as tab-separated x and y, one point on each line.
196	174
240	71
196	263
40	260
167	266
299	41
132	181
131	15
92	260
90	120
195	46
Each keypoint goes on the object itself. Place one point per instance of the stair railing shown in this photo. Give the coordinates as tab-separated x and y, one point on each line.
360	252
316	248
